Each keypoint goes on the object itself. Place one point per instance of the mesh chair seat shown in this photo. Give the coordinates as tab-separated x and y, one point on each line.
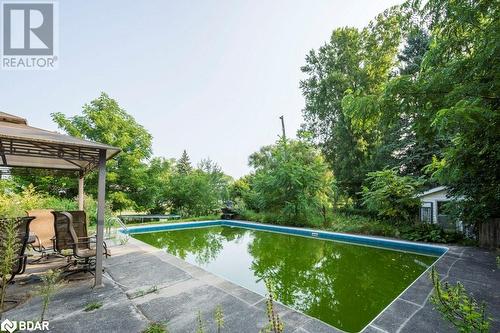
69	242
86	253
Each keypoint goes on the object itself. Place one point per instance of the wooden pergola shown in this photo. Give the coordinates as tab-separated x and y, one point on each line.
23	146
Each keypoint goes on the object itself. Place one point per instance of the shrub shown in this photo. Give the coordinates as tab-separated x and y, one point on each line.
274	324
219	318
391	195
460	309
9	246
291	181
426	232
14	204
50	284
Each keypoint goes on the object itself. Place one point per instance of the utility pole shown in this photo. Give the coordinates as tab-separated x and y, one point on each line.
283	127
284	136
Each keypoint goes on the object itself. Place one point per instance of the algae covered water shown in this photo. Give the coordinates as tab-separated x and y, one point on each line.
342	284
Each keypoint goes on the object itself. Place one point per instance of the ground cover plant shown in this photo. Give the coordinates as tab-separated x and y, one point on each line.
458	307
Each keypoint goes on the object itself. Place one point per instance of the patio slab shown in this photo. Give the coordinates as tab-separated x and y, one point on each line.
413	311
182	290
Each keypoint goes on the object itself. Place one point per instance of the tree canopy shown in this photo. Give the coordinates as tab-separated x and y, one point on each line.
103	120
430	107
292	181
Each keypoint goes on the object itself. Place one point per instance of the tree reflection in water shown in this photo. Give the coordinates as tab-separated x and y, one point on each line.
342	284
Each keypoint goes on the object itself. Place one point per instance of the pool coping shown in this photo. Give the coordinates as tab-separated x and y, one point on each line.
391	244
398	245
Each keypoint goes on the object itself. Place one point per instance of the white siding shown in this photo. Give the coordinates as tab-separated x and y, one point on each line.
434	198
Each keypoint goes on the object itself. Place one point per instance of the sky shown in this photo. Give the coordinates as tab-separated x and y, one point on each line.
211	77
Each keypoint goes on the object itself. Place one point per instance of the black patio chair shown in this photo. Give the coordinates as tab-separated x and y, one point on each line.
22	226
77	246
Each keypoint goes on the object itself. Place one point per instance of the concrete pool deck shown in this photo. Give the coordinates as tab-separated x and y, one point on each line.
144	284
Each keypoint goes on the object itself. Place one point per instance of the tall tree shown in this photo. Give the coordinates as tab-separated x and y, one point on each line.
460	81
184	164
411	150
356	63
412	55
220	181
291	181
103	120
152	192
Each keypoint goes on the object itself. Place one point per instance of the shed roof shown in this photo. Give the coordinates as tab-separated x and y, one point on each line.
431	191
22	145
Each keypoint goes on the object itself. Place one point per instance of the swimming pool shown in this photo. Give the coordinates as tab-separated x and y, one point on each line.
343	280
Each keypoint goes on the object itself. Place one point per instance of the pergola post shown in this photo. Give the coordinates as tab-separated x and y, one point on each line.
80	190
101	189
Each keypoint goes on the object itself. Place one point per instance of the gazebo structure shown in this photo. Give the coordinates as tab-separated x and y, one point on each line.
29	147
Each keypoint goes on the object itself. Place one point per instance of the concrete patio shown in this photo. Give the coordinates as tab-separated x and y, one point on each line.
144	284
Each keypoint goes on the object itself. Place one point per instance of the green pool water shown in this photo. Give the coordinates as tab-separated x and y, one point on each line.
342	284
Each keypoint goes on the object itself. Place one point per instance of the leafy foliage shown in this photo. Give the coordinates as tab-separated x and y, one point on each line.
427	232
200	323
274	325
462	310
358	62
92	306
461	70
219	318
156	327
392	195
103	120
199	191
152	189
433	107
9	246
50	284
14	204
469	163
292	181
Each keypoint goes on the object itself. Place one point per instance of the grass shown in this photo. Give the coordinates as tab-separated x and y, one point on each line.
356	224
187	219
143	292
156	327
92	306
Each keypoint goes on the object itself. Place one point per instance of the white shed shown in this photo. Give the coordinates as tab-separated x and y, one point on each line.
431	204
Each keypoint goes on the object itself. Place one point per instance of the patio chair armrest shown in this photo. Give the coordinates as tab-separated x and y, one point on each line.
78	243
85	237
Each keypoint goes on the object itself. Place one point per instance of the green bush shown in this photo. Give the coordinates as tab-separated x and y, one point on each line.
458	307
14	204
426	232
291	184
392	196
357	224
356	212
